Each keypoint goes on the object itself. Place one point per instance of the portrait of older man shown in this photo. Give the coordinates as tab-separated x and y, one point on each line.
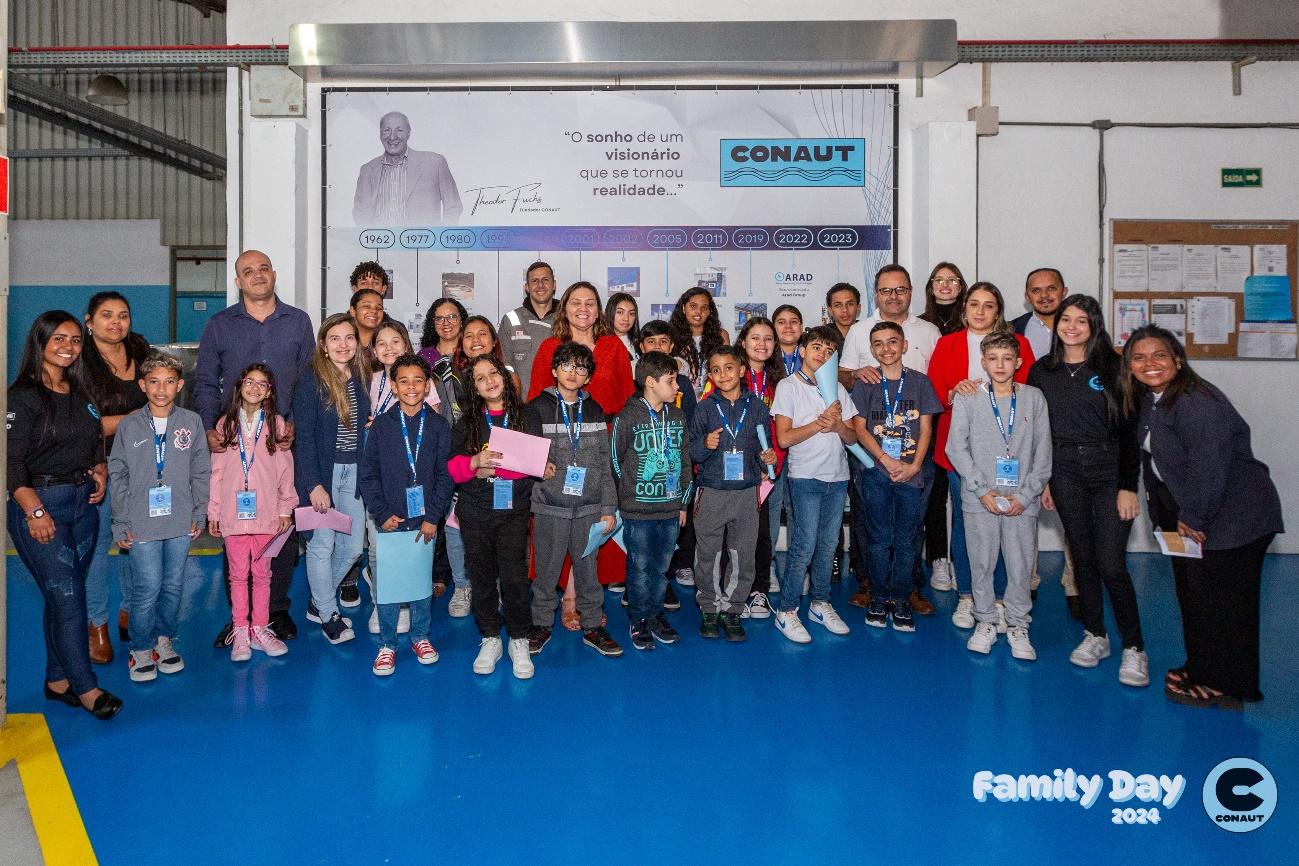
404	186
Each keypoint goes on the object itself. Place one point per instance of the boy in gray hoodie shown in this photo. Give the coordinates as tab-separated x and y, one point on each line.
158	472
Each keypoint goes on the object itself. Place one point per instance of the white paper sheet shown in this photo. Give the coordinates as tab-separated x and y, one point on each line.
1233	267
1267	340
1170	313
1212	320
1165	267
1128	316
1172	544
1199	268
1269	259
1130	268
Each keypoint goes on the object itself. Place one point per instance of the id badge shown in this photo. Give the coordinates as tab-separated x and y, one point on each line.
574	480
733	466
160	501
415	501
892	446
1007	472
246	505
673	485
502	494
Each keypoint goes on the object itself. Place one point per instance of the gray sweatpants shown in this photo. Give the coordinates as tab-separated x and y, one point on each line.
729	516
552	539
1016	539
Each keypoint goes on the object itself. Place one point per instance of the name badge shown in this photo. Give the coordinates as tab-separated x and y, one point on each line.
673	485
1007	472
892	446
502	494
160	501
246	504
415	501
733	466
574	480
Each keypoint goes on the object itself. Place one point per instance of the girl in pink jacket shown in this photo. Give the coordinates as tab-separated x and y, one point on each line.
250	503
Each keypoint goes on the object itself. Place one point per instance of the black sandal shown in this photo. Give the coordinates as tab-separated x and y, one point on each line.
64	697
1175	677
1192	695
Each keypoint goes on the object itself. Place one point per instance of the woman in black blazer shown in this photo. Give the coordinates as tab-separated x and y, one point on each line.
1204	483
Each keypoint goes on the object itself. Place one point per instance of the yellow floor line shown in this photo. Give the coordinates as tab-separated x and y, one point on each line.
63	839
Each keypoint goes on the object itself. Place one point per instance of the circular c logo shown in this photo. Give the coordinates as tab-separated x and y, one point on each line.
1239	795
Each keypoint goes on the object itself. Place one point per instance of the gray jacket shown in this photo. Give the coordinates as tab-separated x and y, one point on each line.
599	495
974	445
521	333
132	470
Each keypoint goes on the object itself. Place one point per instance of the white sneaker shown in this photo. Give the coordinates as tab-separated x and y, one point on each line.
774	586
823	613
1134	670
1089	653
522	659
262	639
1020	646
685	576
963	616
1001	618
374	619
461	600
403	620
240	650
169	661
141	666
941	577
985	635
489	653
756	607
791	627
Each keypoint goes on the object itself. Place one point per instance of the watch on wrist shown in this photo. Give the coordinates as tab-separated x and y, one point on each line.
37	513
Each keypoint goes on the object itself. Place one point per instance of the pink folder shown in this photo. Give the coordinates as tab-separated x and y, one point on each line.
273	547
521	452
309	518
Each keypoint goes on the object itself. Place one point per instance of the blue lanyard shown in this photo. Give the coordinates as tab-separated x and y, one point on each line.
419	439
756	385
505	420
891	410
793	363
654	434
574	432
806	378
1007	430
383	381
246	458
739	425
159	451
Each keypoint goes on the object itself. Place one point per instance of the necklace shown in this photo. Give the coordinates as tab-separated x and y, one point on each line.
1074	372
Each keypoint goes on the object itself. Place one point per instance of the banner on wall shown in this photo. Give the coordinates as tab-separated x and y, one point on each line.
764	197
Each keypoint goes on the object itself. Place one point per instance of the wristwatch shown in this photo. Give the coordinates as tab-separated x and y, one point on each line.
36	514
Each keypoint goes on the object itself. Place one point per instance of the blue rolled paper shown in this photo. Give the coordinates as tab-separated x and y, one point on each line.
827	382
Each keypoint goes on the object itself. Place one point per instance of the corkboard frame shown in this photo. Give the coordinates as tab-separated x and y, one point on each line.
1216	232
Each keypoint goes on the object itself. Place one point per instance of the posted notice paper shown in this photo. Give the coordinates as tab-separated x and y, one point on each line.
1130	268
1169	313
1212	320
1165	267
1233	267
1199	268
1128	316
1267	340
1269	259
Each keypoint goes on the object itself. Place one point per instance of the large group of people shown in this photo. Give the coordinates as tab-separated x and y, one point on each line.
676	450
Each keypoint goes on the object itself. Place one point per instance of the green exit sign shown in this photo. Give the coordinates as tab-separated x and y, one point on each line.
1242	177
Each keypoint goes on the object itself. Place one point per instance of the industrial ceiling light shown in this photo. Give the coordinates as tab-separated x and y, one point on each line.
107	90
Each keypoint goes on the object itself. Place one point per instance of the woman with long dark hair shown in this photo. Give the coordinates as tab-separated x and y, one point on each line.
624	321
478	338
443	328
944	291
1094	468
696	331
57	476
1203	483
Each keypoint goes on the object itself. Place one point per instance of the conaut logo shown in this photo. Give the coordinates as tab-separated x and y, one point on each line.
792	162
788	277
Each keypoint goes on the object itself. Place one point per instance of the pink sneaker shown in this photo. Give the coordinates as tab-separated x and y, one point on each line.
384	663
239	648
264	640
425	652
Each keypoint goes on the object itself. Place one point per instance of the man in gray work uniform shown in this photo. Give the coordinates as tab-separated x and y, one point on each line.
523	328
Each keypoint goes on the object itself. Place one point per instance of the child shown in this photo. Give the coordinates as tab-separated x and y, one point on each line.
252	501
894	424
577	492
493	510
405	486
724	443
1000	445
158	495
650	455
814	434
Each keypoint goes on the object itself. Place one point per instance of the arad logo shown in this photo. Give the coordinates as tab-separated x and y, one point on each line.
787	277
793	161
1239	795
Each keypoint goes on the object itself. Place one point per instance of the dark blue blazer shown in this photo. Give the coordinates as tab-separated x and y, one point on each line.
315	433
385	474
1019	323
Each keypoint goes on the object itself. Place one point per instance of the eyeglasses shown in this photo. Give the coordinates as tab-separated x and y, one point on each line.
257	384
570	367
448	319
895	291
946	281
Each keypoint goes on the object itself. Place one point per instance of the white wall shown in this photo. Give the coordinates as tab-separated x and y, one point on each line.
87	252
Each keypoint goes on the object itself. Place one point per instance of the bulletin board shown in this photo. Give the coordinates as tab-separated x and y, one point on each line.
1227	289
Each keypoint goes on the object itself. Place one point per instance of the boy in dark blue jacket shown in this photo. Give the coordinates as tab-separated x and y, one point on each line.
731	461
405	486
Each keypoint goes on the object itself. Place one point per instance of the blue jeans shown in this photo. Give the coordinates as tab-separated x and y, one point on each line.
330	554
961	553
102	567
159	579
59	569
650	544
421	616
895	512
819	506
456	556
775	501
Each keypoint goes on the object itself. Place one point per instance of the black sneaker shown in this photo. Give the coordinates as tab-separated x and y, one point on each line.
710	627
877	614
313	614
538	637
641	638
730	623
224	637
349	596
283	625
835	576
670	600
599	640
902	618
337	630
663	632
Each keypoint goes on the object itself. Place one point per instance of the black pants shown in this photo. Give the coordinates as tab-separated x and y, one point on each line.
858	531
1084	485
282	568
918	549
496	560
764	552
936	520
684	556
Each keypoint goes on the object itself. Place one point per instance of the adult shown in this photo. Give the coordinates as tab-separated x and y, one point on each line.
523	329
1204	483
1094	468
107	372
56	477
843	306
404	186
443	328
258	328
1043	290
624	320
696	331
944	291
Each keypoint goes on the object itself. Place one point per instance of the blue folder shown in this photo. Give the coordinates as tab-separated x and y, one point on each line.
403	567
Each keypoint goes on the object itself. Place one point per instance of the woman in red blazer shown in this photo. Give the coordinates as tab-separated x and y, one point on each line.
955	368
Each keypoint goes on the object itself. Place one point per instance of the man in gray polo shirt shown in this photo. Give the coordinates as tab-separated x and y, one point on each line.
523	328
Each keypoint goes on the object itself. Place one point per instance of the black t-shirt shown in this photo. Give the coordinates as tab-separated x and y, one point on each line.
476	495
51	434
1080	414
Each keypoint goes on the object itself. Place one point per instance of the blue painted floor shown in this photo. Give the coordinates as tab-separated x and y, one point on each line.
860	749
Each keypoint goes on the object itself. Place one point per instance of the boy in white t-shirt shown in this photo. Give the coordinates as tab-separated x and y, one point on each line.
817	467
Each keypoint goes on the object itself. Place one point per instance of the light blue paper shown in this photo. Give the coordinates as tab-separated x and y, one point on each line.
403	567
1267	299
827	383
597	536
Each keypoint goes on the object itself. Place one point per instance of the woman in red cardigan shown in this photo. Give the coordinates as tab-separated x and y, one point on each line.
580	319
955	368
